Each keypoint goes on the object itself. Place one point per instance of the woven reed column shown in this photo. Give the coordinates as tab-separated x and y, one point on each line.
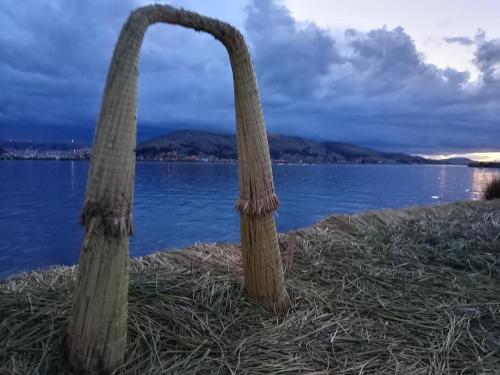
97	331
262	265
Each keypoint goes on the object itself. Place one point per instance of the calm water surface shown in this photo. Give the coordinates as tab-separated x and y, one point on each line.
178	204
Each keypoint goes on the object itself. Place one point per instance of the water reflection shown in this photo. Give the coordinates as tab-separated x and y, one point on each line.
442	182
73	180
480	177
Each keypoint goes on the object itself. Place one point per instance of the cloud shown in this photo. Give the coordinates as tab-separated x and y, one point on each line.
283	49
371	88
487	59
462	40
53	58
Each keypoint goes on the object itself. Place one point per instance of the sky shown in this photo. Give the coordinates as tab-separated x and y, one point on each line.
396	75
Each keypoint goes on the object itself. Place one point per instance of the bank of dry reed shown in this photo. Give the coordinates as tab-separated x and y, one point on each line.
492	189
406	291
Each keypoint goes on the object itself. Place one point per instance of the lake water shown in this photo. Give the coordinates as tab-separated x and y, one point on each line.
176	205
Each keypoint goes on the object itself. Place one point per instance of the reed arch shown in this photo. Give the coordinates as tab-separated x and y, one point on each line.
97	332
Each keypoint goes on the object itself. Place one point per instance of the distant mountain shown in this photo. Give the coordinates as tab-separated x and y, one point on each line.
194	145
59	134
457	161
190	142
286	149
41	146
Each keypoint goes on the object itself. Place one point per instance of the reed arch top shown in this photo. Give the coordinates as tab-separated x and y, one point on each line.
110	185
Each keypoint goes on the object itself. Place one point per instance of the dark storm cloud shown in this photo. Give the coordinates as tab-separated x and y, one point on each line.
487	59
464	41
290	60
55	55
52	58
369	88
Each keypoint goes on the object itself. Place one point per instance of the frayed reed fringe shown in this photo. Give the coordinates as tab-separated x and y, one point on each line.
96	214
280	305
257	207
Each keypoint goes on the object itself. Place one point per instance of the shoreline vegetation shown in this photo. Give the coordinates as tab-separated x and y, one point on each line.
192	159
395	291
485	164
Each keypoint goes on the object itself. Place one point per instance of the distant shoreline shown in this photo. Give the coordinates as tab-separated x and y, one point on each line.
232	162
210	147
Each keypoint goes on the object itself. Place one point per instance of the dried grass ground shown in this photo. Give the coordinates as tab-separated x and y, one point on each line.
413	291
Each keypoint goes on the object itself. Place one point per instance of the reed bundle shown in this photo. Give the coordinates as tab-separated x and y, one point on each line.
97	331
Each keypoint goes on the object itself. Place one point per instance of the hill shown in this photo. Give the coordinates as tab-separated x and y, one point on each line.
195	145
457	161
286	149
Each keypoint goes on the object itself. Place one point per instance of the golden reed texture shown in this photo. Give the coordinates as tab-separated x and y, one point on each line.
97	333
